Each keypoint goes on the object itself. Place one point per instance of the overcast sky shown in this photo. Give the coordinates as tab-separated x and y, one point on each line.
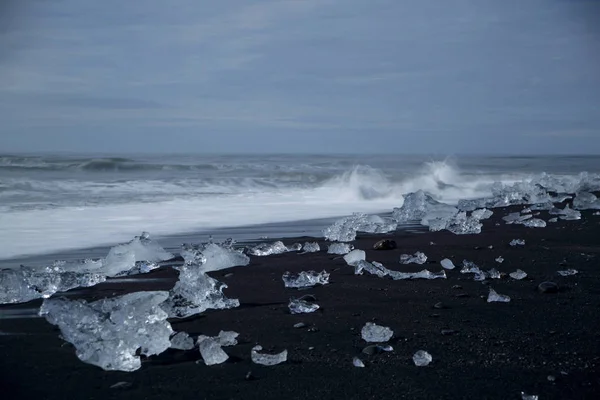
407	76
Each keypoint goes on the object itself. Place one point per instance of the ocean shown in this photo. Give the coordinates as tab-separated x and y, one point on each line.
67	205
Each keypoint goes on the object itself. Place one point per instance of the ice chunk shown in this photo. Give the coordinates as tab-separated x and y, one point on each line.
494	274
357	362
596	213
424	274
25	284
517	242
419	206
553	220
459	224
525	396
219	257
355	256
196	292
376	333
339	248
516	218
227	338
535	223
518	275
267	249
567	213
418	258
211	351
481	214
568	272
344	230
122	258
311	247
422	358
182	341
109	332
299	306
305	279
373	268
447	263
499	260
469	267
267	359
493	296
586	201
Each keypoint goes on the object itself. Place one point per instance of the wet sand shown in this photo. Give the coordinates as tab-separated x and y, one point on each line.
496	351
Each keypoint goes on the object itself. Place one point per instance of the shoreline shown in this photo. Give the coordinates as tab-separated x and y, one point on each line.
496	350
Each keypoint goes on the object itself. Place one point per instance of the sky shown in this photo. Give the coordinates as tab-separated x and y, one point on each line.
316	76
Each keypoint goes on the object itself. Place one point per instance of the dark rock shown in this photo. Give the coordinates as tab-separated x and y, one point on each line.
462	295
548	287
385	244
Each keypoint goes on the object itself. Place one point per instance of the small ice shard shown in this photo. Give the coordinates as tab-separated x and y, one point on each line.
567	214
494	274
518	275
517	242
535	223
525	396
373	268
111	333
355	256
299	306
267	359
344	230
424	274
499	260
418	258
447	263
211	351
493	296
469	267
267	249
553	220
422	358
568	272
482	213
339	248
305	279
311	247
227	338
376	333
357	362
182	341
596	213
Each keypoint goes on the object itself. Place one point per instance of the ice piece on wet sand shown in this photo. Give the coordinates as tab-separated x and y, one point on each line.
227	338
535	223
596	213
373	268
311	247
110	332
469	267
305	279
357	362
376	333
344	230
425	274
525	396
586	201
418	258
499	260
553	220
267	249
355	256
518	275
482	213
219	257
25	284
339	248
211	351
568	272
300	306
517	242
516	218
567	213
123	257
196	292
421	206
459	224
182	341
267	359
422	358
493	296
447	263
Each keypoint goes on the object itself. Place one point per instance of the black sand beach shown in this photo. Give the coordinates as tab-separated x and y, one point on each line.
543	344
